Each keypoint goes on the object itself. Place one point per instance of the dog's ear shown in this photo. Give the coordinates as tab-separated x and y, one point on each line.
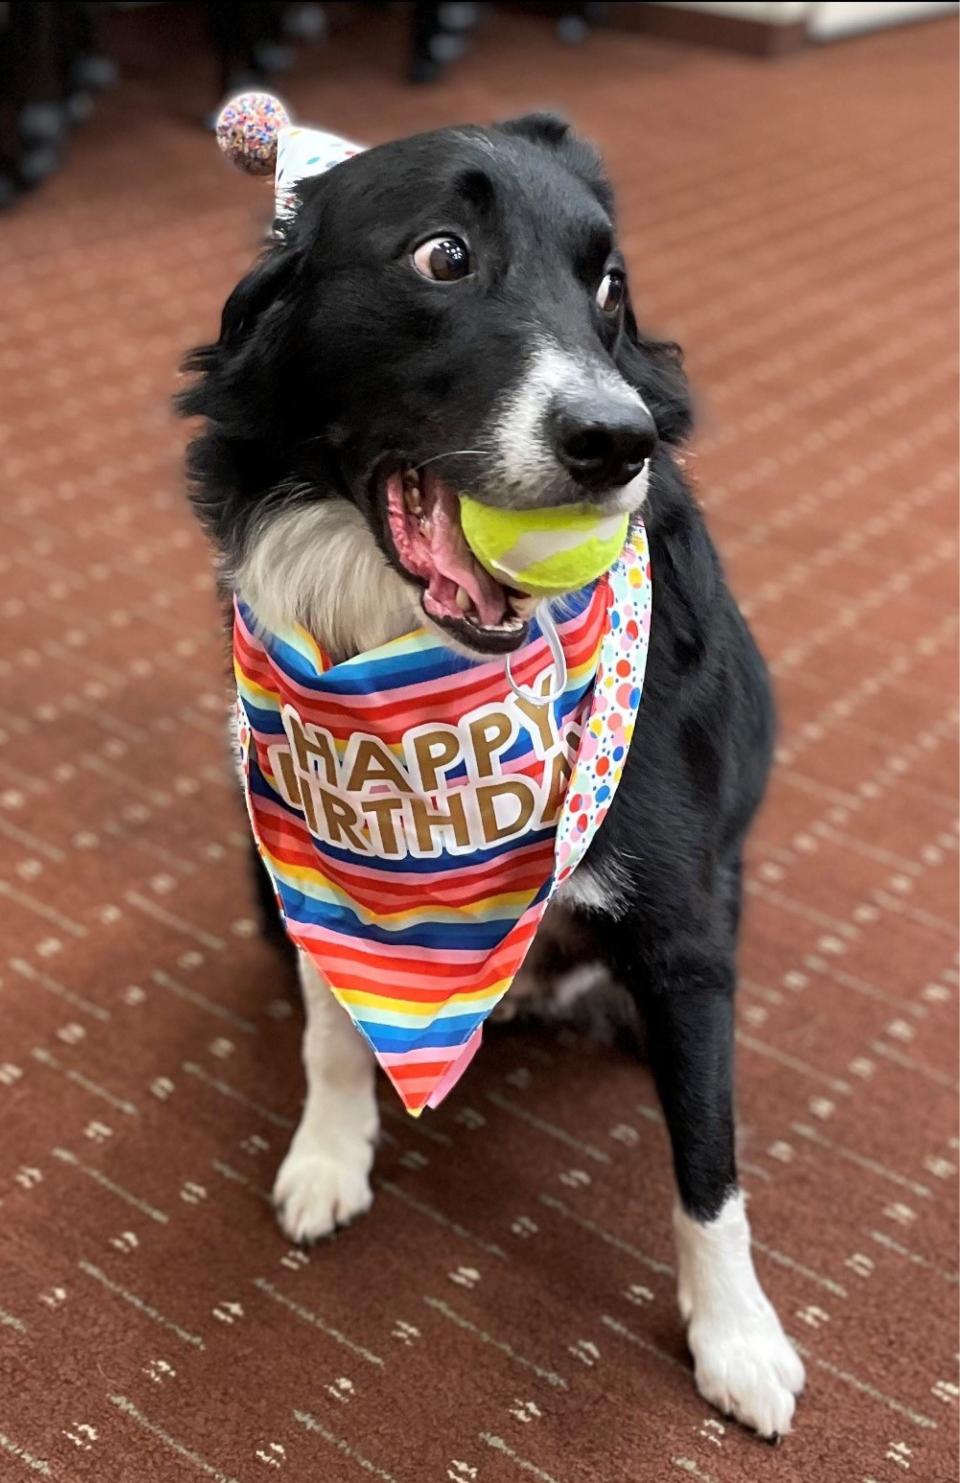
539	128
579	156
654	368
261	289
253	318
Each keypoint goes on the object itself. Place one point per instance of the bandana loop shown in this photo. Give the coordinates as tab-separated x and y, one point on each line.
549	630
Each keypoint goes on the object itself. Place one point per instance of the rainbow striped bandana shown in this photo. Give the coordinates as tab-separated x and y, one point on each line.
416	812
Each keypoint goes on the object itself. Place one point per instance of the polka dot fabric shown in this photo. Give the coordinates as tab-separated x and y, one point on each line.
616	698
302	153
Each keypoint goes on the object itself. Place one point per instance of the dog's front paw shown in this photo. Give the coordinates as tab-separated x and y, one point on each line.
315	1192
746	1366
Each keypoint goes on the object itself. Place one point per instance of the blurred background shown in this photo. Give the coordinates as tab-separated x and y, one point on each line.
55	58
787	180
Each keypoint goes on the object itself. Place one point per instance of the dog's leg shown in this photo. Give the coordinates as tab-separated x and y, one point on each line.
744	1363
324	1180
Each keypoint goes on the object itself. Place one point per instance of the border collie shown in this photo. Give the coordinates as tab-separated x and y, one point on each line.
453	309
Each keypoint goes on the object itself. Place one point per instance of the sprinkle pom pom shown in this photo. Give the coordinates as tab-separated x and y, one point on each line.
247	130
543	552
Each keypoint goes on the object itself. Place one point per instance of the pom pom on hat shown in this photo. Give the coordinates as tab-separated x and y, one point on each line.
247	130
255	133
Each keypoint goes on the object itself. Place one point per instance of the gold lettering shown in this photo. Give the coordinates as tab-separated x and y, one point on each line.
296	790
541	714
489	734
282	765
488	794
425	821
556	786
311	743
373	763
342	822
434	751
383	809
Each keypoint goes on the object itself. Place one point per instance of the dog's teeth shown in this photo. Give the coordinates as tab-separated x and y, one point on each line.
523	607
464	600
411	491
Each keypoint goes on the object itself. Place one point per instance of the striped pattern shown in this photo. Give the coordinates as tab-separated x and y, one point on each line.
418	933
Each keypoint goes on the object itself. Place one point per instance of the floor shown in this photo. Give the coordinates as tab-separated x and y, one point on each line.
505	1314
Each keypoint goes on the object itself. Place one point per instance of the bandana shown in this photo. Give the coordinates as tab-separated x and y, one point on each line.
416	810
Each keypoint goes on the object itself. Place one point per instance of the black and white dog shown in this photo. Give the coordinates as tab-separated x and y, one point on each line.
452	308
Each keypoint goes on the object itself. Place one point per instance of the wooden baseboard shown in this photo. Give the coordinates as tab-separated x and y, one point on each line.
707	28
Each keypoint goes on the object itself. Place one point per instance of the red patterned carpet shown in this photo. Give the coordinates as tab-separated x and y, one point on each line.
506	1313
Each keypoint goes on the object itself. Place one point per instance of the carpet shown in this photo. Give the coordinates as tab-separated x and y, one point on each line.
506	1312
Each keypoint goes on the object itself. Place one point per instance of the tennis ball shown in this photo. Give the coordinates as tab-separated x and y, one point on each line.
543	552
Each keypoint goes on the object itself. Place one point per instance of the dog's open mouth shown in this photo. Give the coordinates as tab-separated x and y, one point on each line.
423	520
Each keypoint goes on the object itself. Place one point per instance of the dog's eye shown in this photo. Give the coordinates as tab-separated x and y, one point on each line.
610	292
444	259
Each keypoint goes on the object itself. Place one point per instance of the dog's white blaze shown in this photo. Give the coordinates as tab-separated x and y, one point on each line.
324	1181
318	564
527	464
745	1364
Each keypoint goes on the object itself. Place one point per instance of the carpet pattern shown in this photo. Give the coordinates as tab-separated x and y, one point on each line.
506	1312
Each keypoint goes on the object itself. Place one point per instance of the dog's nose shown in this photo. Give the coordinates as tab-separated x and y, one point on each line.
602	445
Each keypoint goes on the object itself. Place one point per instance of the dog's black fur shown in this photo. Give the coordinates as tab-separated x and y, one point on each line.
334	356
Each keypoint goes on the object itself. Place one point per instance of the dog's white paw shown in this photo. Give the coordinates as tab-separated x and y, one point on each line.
746	1366
744	1363
315	1192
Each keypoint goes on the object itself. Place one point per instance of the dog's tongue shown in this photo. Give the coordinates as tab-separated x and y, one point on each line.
453	559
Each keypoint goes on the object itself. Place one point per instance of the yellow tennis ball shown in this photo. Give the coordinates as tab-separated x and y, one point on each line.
543	552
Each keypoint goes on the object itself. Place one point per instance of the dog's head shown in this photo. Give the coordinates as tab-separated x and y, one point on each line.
446	313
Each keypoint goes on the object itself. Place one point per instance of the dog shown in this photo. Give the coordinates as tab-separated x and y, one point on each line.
451	312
